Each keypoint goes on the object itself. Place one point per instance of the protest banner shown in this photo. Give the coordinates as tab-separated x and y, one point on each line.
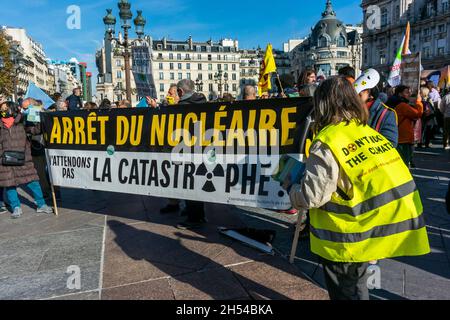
142	71
215	152
410	72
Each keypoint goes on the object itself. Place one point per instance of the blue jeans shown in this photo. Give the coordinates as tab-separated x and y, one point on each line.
35	187
2	200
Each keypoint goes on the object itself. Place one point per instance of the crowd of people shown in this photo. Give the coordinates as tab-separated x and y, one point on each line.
342	216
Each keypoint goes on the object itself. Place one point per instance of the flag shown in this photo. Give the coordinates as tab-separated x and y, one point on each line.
143	103
268	66
394	78
36	93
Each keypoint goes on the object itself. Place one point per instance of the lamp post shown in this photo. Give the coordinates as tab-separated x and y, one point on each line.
126	16
199	85
221	78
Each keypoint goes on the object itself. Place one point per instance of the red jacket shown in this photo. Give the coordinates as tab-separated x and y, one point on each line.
407	115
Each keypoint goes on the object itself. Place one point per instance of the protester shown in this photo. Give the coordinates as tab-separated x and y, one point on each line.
227	97
13	139
264	96
287	82
105	104
347	227
90	106
349	73
434	94
195	210
60	103
124	104
381	118
249	93
407	115
307	83
429	117
74	101
445	110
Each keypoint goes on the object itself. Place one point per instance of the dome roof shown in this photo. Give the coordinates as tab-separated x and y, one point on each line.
329	27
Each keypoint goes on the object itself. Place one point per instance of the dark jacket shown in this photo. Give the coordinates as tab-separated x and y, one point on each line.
74	103
384	120
447	200
195	98
15	139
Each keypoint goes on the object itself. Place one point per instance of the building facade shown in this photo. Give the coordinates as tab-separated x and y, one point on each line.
330	46
430	22
216	67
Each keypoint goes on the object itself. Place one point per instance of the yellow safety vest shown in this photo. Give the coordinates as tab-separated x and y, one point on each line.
383	215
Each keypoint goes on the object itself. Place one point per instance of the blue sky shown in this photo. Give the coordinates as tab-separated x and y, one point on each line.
253	23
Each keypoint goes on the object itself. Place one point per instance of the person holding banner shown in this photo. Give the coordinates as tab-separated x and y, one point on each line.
195	210
16	167
364	205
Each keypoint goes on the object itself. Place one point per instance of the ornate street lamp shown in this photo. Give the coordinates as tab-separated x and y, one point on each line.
199	85
126	16
221	79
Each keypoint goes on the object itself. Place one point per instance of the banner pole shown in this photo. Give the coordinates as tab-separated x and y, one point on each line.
279	82
296	238
55	204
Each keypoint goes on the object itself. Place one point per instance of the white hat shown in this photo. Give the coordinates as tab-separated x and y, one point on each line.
368	80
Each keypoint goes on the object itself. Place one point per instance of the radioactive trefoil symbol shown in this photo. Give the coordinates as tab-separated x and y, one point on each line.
203	171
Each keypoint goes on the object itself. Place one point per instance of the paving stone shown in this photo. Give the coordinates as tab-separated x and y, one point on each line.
149	290
216	284
46	284
277	280
84	296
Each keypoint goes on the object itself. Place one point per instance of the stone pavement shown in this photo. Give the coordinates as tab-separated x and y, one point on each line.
125	250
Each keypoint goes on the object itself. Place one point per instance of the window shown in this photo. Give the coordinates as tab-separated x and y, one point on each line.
188	66
200	76
234	76
180	76
226	67
172	76
171	56
341	54
179	56
161	76
210	76
426	32
160	56
227	87
341	41
323	42
440	51
219	67
118	63
427	52
209	57
445	5
234	87
188	56
211	87
441	28
161	66
199	56
119	74
180	66
171	66
199	66
218	57
188	76
225	57
210	66
233	67
384	17
161	87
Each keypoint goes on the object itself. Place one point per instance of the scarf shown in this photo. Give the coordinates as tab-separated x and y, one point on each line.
8	122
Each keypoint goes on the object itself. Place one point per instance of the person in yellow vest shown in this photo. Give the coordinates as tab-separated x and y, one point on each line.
364	205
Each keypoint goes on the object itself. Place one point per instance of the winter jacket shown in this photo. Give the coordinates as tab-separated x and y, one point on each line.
407	115
445	106
15	139
194	98
74	103
383	119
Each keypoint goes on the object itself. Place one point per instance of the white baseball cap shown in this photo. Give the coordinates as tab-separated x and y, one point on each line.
368	80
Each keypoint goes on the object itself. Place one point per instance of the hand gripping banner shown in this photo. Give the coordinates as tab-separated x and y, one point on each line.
215	152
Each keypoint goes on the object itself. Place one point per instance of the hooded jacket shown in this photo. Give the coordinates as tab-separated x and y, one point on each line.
193	98
383	119
15	139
